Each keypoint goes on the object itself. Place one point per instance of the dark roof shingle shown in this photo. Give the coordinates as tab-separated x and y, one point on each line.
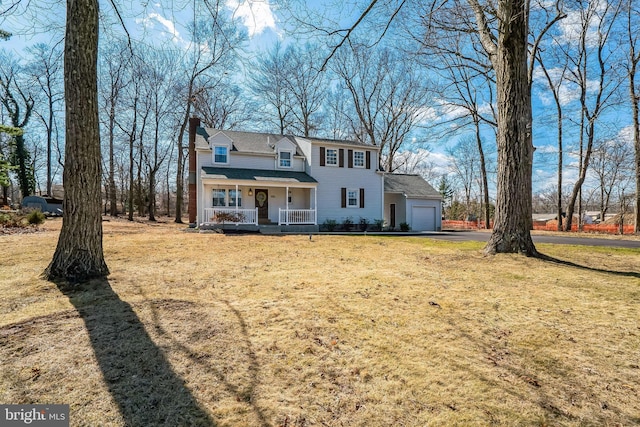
257	174
411	185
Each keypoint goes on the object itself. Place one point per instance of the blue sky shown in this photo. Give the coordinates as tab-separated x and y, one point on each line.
265	25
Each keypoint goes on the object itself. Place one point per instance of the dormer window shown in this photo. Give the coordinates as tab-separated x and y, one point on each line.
220	154
284	159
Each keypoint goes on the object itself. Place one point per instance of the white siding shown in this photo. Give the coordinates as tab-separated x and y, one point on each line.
331	179
306	148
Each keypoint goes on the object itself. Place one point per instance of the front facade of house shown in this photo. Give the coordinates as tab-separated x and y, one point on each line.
259	178
253	179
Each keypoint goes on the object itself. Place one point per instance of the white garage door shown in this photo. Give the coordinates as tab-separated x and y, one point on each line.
423	218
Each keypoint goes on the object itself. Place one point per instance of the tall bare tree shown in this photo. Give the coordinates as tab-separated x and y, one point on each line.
594	54
465	167
113	64
159	78
79	255
507	48
633	59
215	39
46	69
307	86
387	96
610	164
269	82
555	86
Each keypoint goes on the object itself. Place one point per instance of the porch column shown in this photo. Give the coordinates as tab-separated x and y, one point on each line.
315	205
286	198
201	217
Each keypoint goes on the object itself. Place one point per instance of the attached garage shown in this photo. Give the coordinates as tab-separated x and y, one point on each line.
423	218
410	199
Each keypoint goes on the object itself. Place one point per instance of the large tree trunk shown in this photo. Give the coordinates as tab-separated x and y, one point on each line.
636	141
513	221
79	254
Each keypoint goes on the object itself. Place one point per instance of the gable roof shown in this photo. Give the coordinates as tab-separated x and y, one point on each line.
262	142
256	175
410	185
247	142
338	142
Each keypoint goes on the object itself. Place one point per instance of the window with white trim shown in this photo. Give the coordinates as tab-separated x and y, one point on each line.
220	154
284	159
219	197
353	198
358	159
331	157
232	198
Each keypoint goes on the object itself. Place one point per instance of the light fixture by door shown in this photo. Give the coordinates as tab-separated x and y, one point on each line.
250	192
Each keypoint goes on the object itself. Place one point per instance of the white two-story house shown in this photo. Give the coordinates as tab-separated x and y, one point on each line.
253	179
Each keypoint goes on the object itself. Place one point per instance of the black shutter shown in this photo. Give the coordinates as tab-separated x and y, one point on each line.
362	197
350	158
368	159
341	160
321	156
344	197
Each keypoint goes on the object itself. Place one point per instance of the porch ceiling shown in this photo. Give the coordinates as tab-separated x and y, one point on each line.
257	175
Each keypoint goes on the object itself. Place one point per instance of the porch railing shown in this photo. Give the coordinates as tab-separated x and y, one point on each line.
231	216
297	216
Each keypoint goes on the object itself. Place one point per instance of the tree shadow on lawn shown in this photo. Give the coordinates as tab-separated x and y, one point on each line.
137	373
560	388
243	391
554	260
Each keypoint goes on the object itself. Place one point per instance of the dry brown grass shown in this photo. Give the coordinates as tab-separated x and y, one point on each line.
197	329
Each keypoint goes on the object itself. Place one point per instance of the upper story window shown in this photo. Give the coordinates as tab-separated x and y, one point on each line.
332	156
220	154
358	159
284	159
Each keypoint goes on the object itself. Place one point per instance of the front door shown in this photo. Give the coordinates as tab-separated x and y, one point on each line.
262	203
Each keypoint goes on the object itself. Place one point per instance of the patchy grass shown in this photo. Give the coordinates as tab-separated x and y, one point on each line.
204	329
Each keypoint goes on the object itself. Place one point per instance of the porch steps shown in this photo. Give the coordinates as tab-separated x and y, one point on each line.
300	228
270	229
279	229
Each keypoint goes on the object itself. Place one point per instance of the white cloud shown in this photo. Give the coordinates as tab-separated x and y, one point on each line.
571	27
167	26
256	15
568	91
446	111
426	114
430	164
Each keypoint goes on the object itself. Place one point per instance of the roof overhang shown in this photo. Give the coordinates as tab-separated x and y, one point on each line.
254	177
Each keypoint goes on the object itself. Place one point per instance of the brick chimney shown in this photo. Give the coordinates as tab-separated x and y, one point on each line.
194	123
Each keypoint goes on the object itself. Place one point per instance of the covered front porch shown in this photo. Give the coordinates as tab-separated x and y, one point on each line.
241	197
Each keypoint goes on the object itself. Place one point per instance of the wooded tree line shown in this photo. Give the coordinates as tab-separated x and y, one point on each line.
425	77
